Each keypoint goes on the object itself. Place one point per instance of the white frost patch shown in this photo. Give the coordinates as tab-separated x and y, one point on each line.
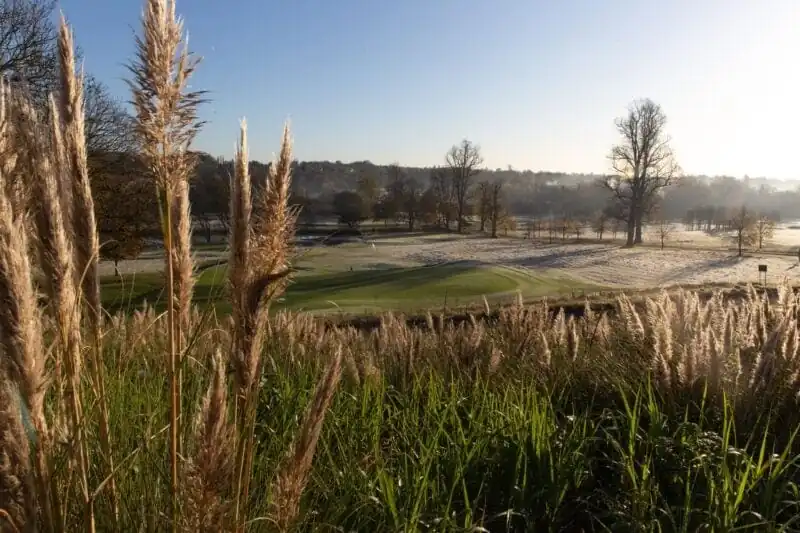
603	264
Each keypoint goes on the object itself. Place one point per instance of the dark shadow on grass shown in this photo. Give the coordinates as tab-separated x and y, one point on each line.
709	264
558	259
129	300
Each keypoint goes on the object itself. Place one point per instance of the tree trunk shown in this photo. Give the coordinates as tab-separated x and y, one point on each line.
631	230
638	237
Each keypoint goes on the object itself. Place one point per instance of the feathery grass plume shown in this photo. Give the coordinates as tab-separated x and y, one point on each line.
57	265
292	476
546	354
183	266
182	261
353	372
239	255
495	358
87	244
22	342
167	123
265	246
273	228
17	509
12	166
78	214
209	472
245	357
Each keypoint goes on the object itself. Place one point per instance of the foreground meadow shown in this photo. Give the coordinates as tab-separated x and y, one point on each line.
679	416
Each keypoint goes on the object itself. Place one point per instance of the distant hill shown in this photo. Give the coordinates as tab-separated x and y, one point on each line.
318	178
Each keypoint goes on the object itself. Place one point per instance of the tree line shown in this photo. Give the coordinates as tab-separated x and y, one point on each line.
449	197
646	188
645	185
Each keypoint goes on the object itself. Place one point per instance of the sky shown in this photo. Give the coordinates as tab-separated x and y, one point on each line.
536	84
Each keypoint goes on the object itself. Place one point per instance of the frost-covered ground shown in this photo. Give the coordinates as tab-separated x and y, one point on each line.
605	264
784	237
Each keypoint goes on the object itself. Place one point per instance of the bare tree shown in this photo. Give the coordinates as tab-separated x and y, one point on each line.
643	164
391	203
600	224
484	203
743	224
552	229
577	229
507	222
531	225
29	56
109	127
463	160
615	224
496	209
412	202
764	229
564	225
28	51
664	230
443	196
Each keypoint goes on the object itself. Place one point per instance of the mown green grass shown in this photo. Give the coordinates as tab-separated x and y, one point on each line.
436	448
448	286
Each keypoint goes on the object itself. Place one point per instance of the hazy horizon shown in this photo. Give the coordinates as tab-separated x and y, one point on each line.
536	85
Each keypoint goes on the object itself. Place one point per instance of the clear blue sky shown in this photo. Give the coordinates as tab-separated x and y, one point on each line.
536	83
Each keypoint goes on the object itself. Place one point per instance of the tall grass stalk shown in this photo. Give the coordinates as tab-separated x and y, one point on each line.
258	271
167	124
23	362
57	262
78	213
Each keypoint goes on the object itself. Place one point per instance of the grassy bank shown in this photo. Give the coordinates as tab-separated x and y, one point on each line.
592	423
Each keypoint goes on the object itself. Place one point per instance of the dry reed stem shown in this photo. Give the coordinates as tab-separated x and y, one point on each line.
182	261
292	476
167	124
242	340
239	245
21	338
265	246
85	238
238	279
57	265
87	243
183	276
261	279
17	495
13	166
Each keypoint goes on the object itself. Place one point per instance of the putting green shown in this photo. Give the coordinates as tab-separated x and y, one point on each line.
449	285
